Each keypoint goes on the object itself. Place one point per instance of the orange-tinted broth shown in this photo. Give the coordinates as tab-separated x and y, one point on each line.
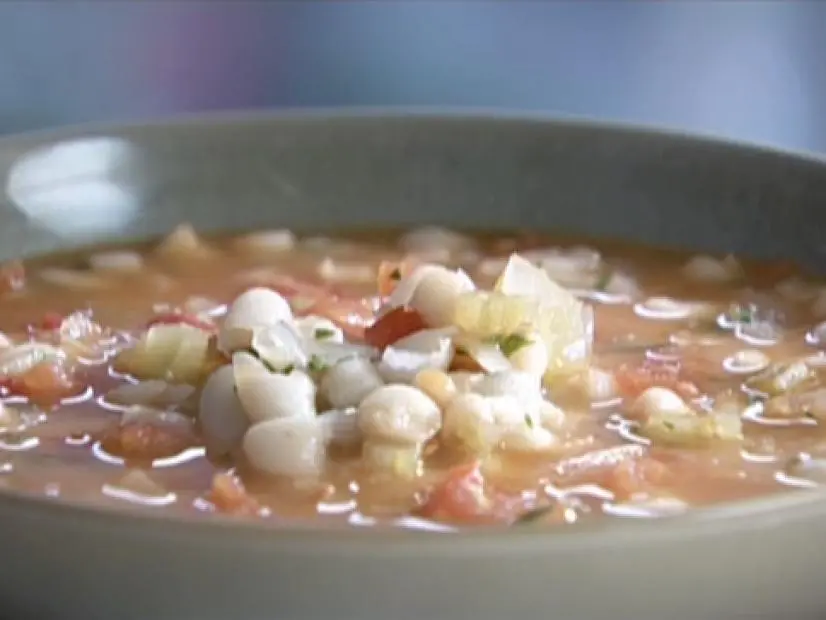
66	455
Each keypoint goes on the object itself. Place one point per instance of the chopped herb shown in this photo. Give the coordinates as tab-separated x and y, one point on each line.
808	414
669	425
605	277
742	314
324	333
316	364
533	515
396	274
512	343
529	420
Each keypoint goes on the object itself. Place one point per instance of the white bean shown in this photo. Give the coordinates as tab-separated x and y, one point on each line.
266	395
478	422
429	348
437	384
349	381
436	294
528	437
256	307
659	401
292	447
399	413
220	412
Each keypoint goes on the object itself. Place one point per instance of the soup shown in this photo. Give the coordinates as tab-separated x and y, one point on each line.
422	379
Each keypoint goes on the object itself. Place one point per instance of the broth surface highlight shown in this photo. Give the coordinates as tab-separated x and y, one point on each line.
561	381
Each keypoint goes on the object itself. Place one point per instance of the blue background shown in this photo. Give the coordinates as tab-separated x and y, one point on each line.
749	70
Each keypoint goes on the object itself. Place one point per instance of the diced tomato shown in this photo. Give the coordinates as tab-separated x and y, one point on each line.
634	477
143	441
393	326
12	276
463	498
230	497
181	318
632	381
45	384
460	497
51	321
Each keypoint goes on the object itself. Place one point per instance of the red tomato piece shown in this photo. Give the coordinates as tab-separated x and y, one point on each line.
230	497
463	498
45	384
51	321
393	326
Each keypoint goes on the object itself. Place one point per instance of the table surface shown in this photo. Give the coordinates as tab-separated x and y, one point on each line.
747	70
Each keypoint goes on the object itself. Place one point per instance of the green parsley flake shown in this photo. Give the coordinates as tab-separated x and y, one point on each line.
529	421
324	333
512	343
316	364
604	280
286	370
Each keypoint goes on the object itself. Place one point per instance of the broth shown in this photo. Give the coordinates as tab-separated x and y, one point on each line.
497	398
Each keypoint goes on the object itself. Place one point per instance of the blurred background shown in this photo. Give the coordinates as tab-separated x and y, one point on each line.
752	70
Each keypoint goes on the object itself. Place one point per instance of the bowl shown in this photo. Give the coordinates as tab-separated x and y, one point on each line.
328	170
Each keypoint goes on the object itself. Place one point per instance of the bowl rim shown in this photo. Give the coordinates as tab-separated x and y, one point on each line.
762	513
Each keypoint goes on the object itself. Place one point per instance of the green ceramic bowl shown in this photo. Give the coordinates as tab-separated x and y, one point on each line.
373	169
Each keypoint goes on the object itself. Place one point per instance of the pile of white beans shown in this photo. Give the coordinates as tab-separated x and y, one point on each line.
294	386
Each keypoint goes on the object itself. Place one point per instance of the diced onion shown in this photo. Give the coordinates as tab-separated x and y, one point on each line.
174	353
402	361
19	359
279	346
